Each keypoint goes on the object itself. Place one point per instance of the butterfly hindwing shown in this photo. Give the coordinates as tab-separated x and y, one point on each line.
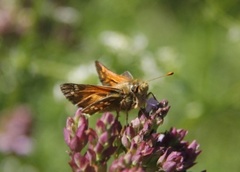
108	103
86	96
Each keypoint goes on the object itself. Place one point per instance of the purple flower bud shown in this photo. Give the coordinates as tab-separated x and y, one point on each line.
134	169
152	104
98	148
92	136
136	123
100	127
91	155
127	136
107	118
108	152
193	145
145	149
81	163
169	166
74	133
103	138
120	167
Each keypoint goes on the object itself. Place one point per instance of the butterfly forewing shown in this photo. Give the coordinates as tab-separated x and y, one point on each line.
110	78
91	97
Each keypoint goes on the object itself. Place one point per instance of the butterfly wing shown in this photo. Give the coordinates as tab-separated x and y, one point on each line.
110	78
109	103
127	74
90	97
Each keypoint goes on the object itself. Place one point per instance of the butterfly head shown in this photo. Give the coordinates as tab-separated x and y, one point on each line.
139	87
140	90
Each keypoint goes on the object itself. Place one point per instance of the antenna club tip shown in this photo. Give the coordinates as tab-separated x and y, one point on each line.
170	73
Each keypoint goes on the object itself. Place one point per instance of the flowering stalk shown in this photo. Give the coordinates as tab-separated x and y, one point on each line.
135	147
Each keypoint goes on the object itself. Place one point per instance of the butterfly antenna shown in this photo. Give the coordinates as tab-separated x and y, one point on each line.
167	74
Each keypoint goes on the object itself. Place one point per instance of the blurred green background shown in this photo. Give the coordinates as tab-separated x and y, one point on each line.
46	43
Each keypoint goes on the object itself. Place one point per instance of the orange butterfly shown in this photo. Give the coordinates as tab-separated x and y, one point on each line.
119	92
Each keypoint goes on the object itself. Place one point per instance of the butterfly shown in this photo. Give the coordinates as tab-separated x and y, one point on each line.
117	93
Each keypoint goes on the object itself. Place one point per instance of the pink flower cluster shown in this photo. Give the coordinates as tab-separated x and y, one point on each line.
134	147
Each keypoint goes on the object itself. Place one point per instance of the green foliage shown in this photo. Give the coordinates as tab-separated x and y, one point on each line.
46	43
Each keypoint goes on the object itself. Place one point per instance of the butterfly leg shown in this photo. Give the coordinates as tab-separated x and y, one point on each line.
127	117
117	115
150	93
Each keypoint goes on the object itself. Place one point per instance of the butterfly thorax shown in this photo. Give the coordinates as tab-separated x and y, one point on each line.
134	94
